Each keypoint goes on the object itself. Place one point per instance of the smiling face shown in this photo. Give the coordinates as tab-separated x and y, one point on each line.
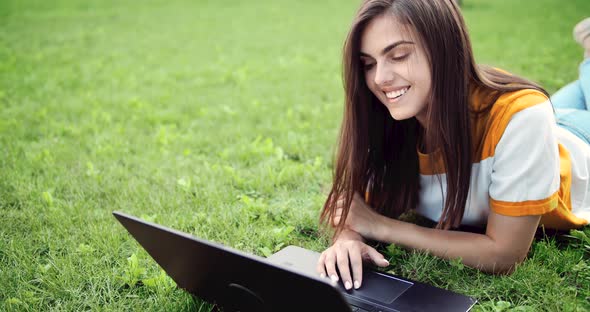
396	68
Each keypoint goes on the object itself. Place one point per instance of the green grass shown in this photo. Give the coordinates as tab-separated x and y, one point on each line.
218	118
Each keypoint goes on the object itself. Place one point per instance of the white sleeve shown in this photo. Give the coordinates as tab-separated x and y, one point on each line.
525	172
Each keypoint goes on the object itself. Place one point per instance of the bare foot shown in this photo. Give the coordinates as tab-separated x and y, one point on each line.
582	35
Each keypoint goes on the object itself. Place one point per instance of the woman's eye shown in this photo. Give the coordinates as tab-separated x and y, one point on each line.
400	57
367	66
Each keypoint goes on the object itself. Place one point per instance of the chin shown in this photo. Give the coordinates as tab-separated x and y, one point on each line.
400	115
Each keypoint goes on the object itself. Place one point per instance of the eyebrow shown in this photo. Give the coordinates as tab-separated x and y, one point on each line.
389	47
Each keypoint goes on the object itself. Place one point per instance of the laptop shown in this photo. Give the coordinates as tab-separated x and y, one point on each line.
286	281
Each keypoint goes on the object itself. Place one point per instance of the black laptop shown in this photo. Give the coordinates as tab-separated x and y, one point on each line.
286	281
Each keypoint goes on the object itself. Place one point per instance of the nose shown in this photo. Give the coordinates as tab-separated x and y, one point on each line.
383	74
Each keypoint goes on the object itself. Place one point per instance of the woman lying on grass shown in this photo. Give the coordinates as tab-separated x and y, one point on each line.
427	129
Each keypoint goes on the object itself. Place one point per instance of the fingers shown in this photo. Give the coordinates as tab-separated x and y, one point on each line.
375	256
344	267
356	264
344	261
330	265
348	257
321	267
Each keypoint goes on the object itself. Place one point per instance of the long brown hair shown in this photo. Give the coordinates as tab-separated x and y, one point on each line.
377	155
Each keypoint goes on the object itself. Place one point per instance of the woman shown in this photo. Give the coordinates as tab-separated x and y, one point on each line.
427	129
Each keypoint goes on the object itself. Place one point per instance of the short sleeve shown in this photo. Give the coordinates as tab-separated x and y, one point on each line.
525	169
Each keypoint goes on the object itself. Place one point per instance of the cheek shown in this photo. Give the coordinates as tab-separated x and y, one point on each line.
417	69
425	79
420	78
422	73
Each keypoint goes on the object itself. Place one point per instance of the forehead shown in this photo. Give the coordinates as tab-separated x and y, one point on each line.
382	31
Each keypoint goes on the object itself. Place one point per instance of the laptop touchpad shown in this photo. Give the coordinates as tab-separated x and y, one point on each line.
379	287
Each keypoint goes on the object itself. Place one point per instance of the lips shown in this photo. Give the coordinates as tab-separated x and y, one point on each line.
395	94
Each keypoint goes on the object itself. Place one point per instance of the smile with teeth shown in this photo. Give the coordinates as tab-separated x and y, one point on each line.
394	95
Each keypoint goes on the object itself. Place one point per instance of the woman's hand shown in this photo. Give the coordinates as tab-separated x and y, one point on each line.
361	217
348	252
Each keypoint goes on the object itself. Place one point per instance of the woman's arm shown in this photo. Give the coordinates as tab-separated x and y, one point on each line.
505	243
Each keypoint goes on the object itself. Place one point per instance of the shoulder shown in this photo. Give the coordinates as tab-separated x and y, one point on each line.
511	103
517	114
526	106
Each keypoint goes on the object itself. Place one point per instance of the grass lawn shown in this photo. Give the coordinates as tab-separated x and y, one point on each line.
218	118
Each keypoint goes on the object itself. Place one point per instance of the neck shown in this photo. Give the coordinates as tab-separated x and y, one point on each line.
422	146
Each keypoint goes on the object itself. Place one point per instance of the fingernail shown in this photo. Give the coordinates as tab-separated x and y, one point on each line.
357	284
322	275
347	285
385	261
334	278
